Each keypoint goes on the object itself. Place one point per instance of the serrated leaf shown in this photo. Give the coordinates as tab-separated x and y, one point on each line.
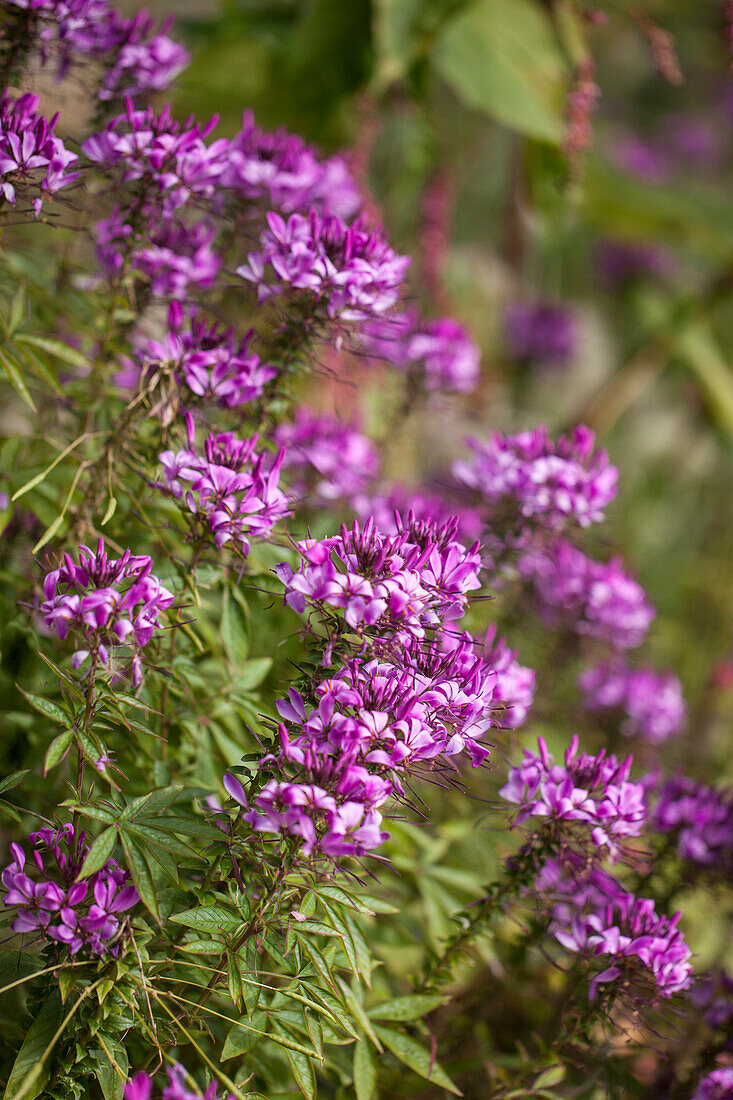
365	1071
502	57
46	707
57	750
416	1058
55	347
37	1039
413	1007
100	851
209	918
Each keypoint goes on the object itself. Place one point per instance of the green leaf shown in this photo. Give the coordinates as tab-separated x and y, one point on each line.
413	1007
100	851
57	750
365	1071
397	38
234	633
46	707
411	1054
35	1044
17	311
252	674
303	1072
502	57
551	1076
55	347
17	964
358	1013
14	372
12	780
335	893
209	918
110	1082
141	875
244	1035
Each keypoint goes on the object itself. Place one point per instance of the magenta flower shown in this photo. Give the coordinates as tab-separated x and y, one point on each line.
106	603
541	333
83	916
718	1085
700	819
328	461
438	353
32	159
651	701
141	1087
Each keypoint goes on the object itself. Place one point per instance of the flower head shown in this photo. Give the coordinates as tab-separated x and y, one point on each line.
32	159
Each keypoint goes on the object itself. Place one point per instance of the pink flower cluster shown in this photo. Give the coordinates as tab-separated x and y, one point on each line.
141	1087
515	683
106	603
594	916
282	170
437	353
234	491
135	56
601	601
550	483
211	362
593	790
406	582
426	505
718	1085
651	701
49	900
700	819
352	272
327	460
32	158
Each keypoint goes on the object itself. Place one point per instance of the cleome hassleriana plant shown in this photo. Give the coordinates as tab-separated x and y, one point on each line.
245	656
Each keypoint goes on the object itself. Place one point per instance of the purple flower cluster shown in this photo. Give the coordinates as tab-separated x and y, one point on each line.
515	683
713	996
593	790
540	333
700	818
416	579
373	722
234	491
427	506
48	900
600	601
163	158
211	362
718	1085
105	602
136	58
651	701
553	483
327	460
282	170
32	158
352	272
595	917
437	353
170	253
141	1087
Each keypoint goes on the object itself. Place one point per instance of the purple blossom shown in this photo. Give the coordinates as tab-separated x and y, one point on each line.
406	582
170	253
554	483
432	506
593	790
515	683
352	272
105	603
651	701
157	153
713	996
282	170
234	491
48	899
540	333
620	262
700	819
327	460
595	917
718	1085
32	159
211	362
437	353
601	601
141	1087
